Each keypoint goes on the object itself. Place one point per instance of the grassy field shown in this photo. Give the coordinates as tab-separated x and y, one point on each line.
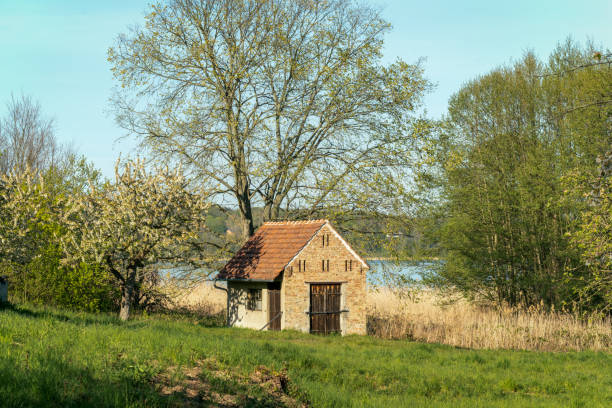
55	358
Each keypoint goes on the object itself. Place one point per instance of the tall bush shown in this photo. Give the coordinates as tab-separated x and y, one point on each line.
510	139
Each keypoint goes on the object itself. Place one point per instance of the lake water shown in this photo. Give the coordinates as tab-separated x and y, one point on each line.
382	272
406	272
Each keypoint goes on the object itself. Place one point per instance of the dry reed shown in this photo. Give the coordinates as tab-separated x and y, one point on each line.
424	317
203	299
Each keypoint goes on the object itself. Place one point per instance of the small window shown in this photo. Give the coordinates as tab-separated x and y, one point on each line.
325	240
325	265
301	265
254	299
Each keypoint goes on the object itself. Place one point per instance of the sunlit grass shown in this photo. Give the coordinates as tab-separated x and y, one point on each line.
56	358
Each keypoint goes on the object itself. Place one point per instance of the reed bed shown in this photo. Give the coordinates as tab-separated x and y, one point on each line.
203	298
426	316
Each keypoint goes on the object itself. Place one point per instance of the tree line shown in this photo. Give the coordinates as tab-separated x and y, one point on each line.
283	109
520	155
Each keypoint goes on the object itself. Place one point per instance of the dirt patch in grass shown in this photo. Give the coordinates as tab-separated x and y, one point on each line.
209	384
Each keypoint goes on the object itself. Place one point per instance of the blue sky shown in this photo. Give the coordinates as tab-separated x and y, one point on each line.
55	51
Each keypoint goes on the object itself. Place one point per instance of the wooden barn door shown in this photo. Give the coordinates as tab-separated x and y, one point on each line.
325	308
274	308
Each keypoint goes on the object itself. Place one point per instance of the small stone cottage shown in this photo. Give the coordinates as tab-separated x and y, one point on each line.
298	275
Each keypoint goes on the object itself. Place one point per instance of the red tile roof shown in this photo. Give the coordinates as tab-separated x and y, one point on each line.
269	250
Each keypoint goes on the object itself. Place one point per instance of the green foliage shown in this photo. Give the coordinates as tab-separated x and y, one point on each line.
216	224
511	139
31	228
55	358
86	287
44	281
593	283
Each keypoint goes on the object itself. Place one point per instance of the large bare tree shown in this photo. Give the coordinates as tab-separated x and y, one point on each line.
27	138
282	104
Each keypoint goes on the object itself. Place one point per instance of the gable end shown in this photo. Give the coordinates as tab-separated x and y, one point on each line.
342	240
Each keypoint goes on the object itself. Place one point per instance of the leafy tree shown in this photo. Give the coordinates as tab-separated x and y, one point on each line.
511	138
31	206
141	220
599	64
276	103
594	238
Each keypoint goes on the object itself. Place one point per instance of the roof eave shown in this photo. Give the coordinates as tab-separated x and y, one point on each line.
247	280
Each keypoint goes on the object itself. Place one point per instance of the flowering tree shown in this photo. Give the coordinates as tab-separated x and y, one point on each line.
25	203
142	219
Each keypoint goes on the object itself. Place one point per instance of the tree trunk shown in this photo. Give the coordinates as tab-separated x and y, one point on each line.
243	195
271	210
248	227
244	206
127	296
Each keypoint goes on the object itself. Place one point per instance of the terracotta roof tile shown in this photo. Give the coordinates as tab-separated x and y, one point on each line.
270	249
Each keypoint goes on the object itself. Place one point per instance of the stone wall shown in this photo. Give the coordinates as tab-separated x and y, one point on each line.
295	291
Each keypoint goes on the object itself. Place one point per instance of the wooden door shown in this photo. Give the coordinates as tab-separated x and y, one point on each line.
274	309
325	308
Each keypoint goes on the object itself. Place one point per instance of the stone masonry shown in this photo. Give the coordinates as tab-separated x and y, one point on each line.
344	268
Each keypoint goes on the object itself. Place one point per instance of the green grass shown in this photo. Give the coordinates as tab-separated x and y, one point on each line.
56	358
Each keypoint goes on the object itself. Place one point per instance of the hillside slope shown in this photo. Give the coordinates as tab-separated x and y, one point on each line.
56	358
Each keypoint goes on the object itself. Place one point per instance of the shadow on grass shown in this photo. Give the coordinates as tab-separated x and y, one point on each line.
35	312
85	319
49	381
